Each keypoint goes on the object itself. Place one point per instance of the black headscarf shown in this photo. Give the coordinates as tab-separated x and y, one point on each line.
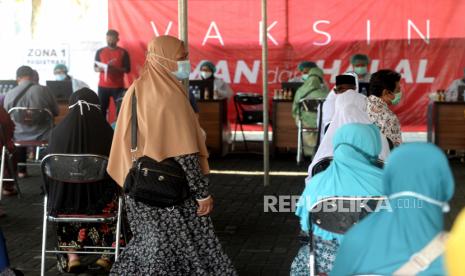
83	130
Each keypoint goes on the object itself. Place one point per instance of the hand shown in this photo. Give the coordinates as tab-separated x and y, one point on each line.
205	206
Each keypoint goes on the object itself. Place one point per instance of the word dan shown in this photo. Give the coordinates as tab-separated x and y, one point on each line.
250	73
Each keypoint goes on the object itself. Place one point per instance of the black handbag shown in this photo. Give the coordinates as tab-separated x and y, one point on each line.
160	184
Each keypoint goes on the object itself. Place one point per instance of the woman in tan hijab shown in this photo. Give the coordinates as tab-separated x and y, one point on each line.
178	240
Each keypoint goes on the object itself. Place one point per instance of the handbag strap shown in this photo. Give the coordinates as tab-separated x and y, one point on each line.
134	127
21	94
422	259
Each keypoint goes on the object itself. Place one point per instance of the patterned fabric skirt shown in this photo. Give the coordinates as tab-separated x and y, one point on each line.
79	234
325	254
171	242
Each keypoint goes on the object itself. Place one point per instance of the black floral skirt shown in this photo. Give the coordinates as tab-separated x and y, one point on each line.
171	242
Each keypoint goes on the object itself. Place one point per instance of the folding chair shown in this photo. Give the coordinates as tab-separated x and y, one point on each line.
324	163
308	105
249	111
337	215
76	169
31	117
7	163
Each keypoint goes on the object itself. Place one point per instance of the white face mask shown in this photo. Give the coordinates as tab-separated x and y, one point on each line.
443	205
205	74
184	68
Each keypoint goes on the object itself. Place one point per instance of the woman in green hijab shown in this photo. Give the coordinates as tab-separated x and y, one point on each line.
313	88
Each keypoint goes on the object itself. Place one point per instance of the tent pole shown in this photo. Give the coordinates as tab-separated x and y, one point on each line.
266	148
183	31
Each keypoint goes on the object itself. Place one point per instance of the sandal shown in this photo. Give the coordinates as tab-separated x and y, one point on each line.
74	266
104	263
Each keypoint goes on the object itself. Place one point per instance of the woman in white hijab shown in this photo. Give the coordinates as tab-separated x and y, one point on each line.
350	107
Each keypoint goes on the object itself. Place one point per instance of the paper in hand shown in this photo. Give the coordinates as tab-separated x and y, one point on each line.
103	66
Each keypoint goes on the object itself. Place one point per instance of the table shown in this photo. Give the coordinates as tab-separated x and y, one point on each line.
447	126
284	127
213	120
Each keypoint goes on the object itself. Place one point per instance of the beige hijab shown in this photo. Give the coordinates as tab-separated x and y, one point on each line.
167	123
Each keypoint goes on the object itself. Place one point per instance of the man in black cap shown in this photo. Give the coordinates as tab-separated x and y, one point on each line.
344	82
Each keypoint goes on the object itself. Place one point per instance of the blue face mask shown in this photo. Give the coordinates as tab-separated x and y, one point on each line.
360	70
184	68
397	98
60	77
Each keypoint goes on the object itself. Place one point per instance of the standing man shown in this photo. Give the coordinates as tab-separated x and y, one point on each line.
360	64
112	62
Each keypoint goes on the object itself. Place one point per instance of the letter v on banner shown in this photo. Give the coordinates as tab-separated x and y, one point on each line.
268	35
167	30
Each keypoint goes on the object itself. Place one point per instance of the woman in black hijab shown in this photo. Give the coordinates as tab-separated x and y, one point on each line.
83	130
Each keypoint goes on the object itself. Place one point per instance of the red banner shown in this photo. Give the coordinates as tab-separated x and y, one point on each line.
422	40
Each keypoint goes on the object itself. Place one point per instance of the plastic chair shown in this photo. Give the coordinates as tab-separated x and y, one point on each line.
32	117
338	215
76	169
7	163
311	106
249	111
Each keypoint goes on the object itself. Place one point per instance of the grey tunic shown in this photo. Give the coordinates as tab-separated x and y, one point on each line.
37	96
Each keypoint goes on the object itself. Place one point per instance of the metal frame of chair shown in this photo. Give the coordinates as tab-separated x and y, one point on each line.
6	159
339	222
52	167
309	105
241	100
37	144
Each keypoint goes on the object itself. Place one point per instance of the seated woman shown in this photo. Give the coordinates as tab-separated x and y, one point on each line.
312	88
351	173
350	107
385	91
83	130
419	182
207	71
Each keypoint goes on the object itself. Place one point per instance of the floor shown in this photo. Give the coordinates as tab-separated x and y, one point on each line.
258	242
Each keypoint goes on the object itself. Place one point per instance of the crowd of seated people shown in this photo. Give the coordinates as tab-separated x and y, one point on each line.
407	236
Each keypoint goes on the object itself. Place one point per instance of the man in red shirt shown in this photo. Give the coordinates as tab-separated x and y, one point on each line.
112	62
